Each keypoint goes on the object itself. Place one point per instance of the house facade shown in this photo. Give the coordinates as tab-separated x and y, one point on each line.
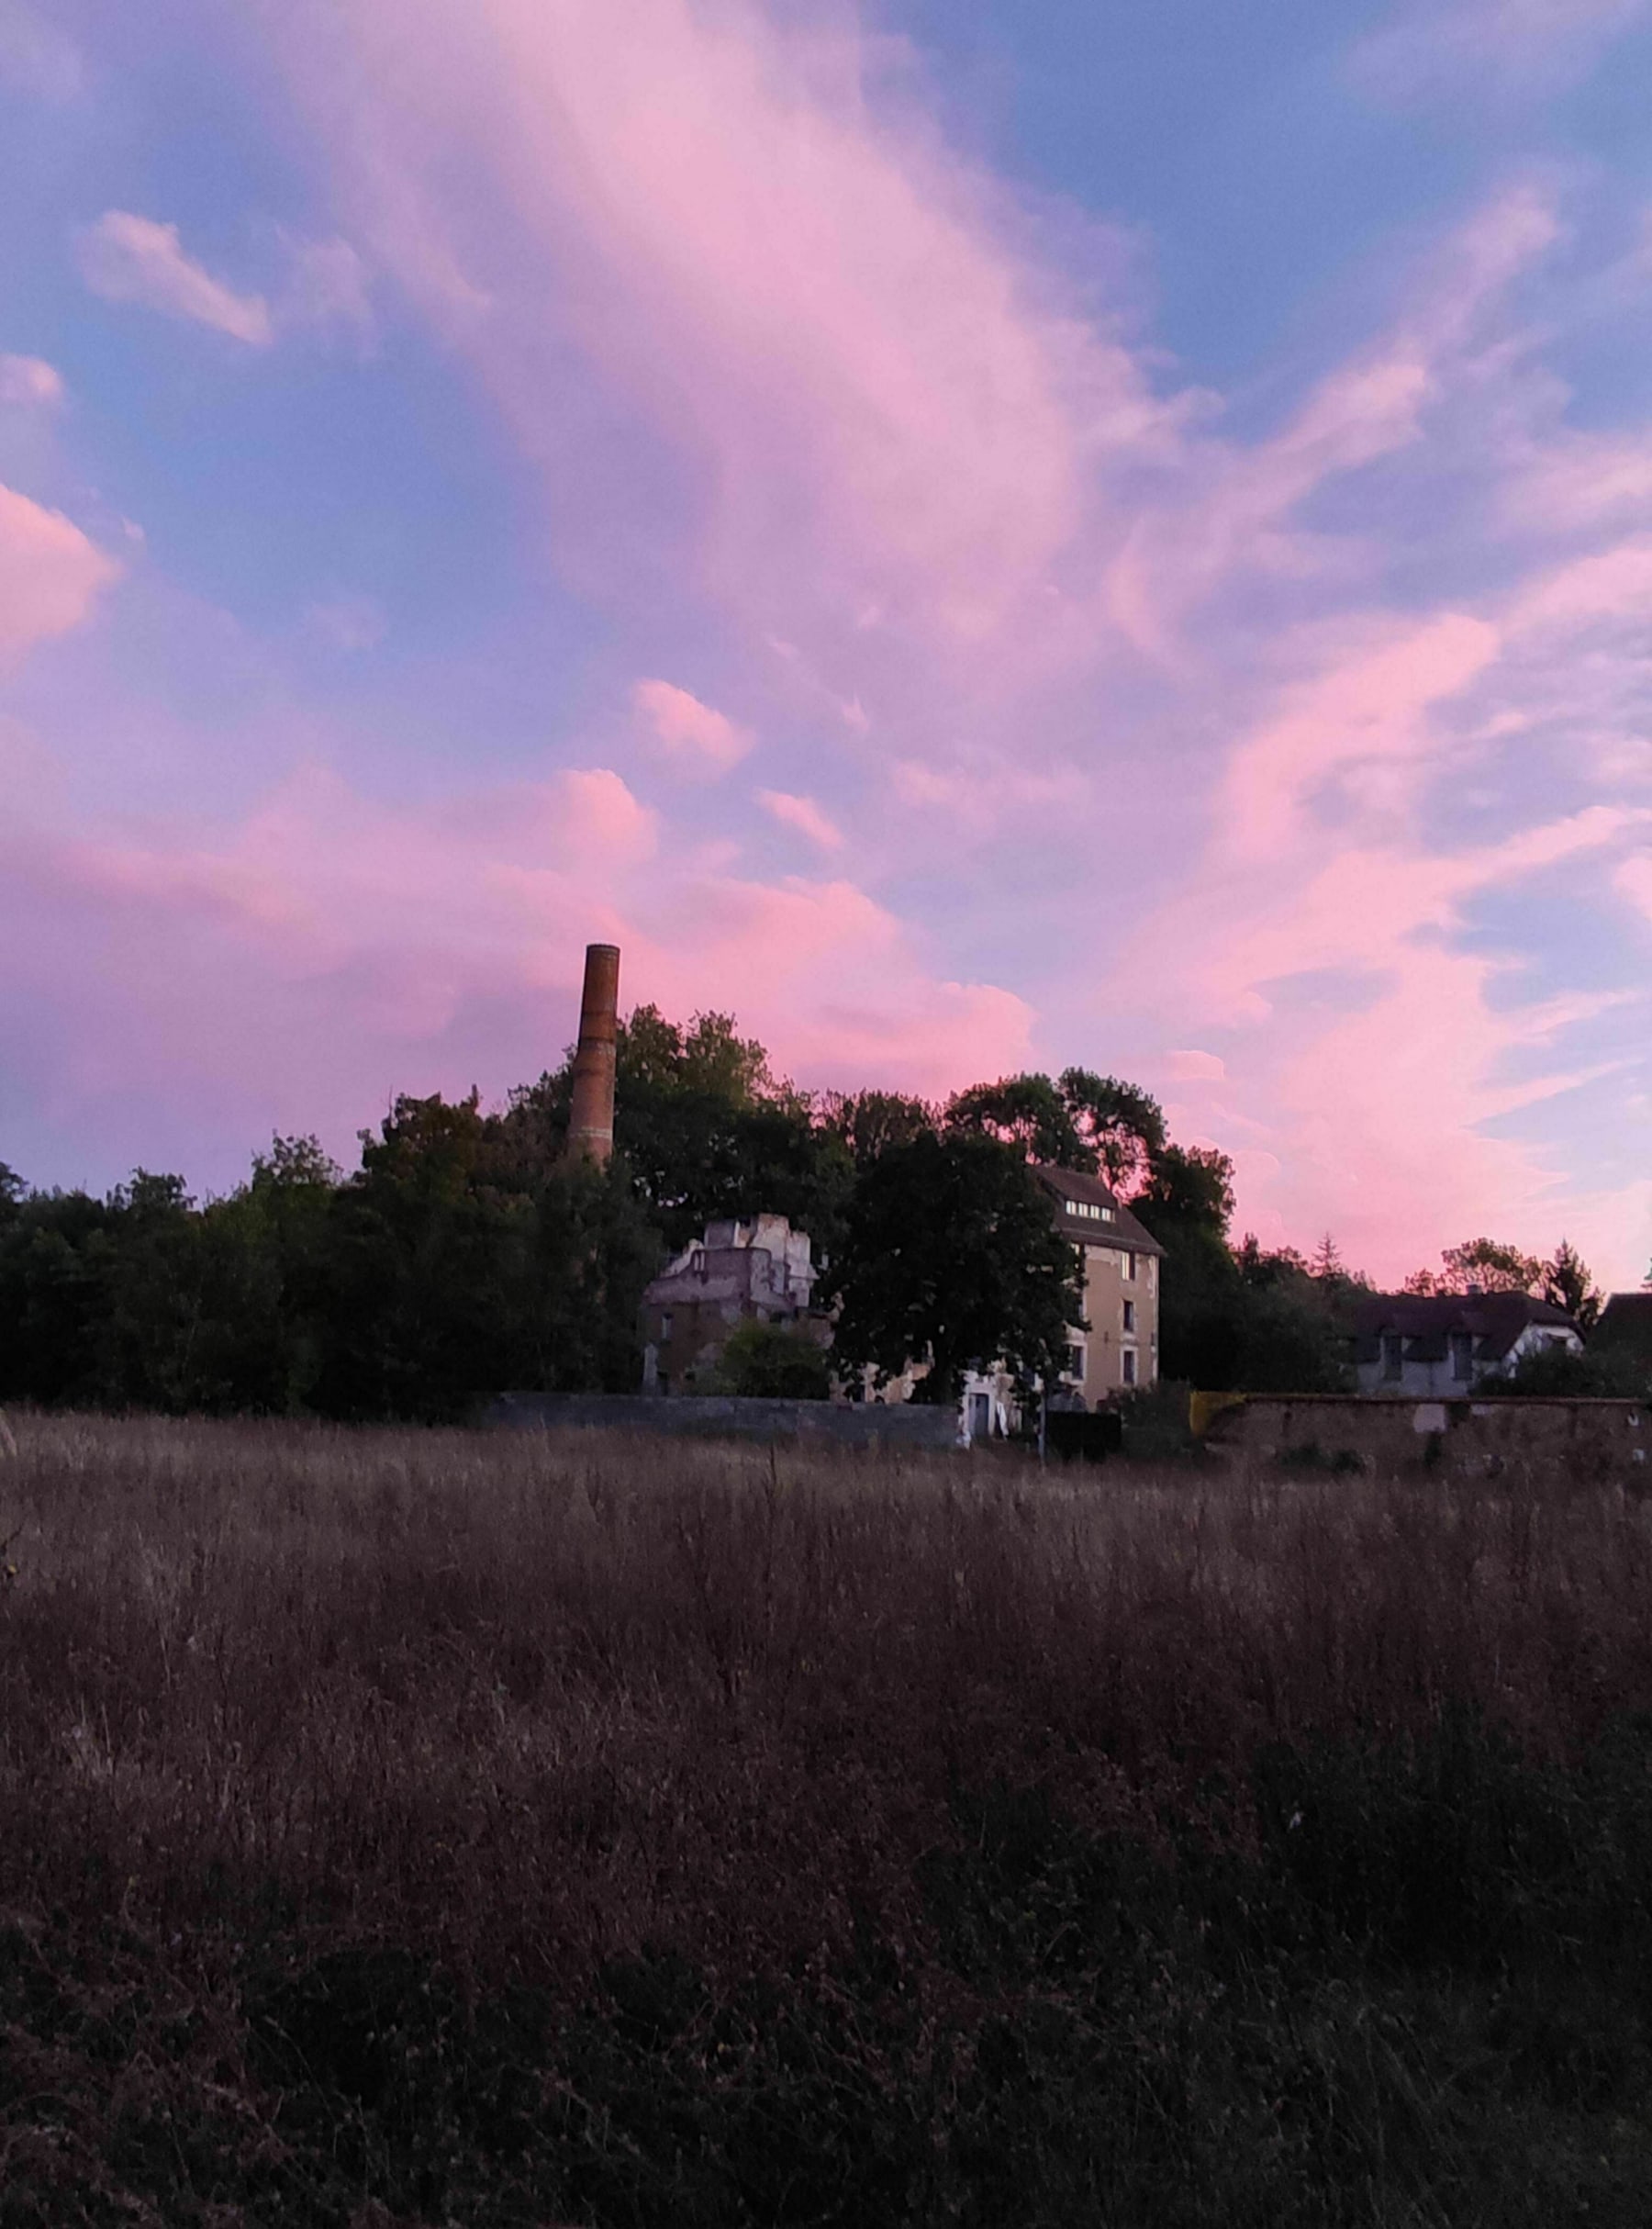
761	1270
1120	1293
1437	1344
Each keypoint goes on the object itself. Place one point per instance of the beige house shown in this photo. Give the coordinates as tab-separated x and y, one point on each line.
1120	1295
1121	1290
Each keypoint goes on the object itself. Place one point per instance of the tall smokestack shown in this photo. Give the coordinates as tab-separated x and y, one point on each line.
591	1120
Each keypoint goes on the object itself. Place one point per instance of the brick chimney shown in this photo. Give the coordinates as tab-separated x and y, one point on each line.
591	1119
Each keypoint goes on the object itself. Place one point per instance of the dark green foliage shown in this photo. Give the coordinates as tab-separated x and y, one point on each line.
462	1262
951	1256
1079	1120
1028	1113
770	1361
705	1131
1257	1321
1567	1285
1599	1373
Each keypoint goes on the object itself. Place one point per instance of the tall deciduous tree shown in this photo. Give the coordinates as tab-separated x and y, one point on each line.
1026	1112
1121	1124
951	1257
1484	1265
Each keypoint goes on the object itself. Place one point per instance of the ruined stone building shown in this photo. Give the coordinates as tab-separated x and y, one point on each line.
760	1271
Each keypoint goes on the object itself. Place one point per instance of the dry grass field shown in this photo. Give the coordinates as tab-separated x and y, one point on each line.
420	1828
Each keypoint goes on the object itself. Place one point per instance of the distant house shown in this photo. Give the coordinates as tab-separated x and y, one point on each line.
1119	1292
1625	1326
761	1270
1441	1343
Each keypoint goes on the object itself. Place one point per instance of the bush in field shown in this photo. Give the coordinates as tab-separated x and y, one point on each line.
771	1360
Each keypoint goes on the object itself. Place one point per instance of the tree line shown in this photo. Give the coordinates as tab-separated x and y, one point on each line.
466	1255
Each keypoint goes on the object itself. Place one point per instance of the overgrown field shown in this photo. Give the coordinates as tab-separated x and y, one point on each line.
420	1828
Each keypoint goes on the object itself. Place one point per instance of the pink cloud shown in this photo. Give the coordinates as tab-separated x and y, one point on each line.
1189	1066
885	413
801	380
31	383
51	574
1368	711
1634	881
127	258
803	814
690	734
329	947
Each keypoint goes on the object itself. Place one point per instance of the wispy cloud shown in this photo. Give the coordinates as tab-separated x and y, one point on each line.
51	574
803	814
31	383
127	258
691	734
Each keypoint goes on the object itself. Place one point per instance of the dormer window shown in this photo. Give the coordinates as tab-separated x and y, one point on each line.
1092	1211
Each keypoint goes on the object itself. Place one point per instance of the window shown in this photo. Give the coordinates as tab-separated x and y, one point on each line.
1130	1315
1130	1262
665	1323
1075	1363
1462	1355
1393	1354
1091	1211
1129	1358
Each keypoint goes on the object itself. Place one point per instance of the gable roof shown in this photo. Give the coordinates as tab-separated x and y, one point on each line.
1427	1321
1072	1189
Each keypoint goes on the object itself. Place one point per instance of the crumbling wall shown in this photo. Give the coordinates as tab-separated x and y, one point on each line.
1466	1436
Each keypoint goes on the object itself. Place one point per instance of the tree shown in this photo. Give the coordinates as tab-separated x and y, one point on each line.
1327	1261
703	1128
1483	1265
770	1360
1121	1124
951	1257
1561	1373
869	1123
1027	1113
1096	1124
1567	1285
1187	1204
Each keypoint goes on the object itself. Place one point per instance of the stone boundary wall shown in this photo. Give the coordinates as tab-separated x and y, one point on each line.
852	1424
1483	1438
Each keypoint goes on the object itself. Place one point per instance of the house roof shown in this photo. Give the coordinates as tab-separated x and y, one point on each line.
1427	1321
1071	1189
1626	1321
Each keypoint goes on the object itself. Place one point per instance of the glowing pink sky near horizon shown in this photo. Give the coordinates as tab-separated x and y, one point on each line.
800	559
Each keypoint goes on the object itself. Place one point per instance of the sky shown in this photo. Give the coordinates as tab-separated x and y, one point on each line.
974	537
